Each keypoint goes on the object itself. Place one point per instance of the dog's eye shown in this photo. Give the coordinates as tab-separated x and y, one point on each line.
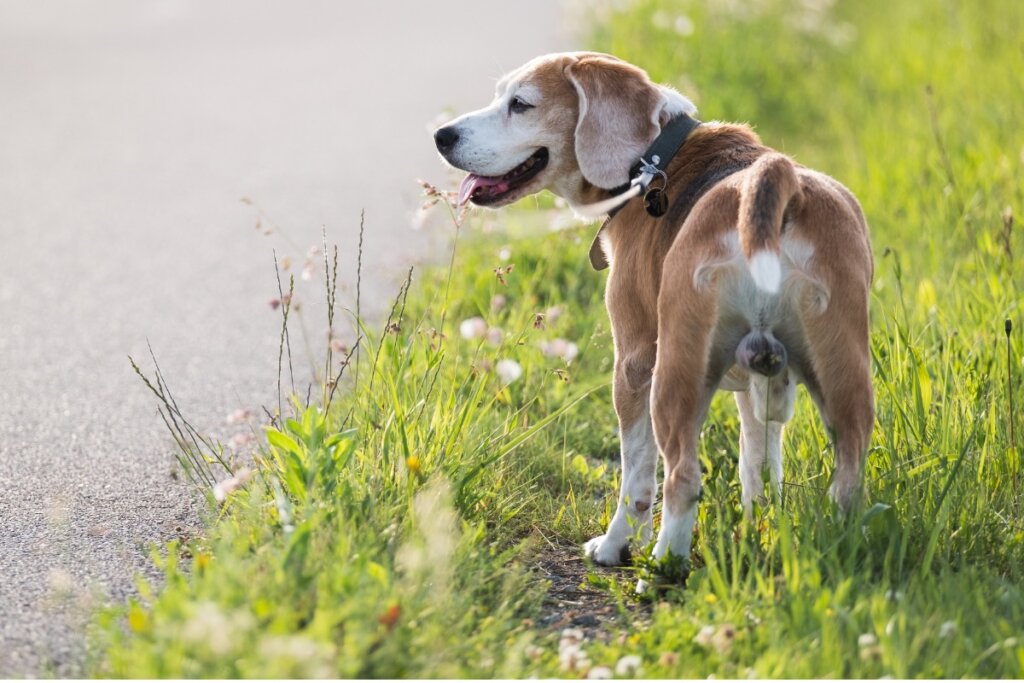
518	106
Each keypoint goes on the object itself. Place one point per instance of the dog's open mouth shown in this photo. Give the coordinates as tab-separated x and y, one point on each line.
484	190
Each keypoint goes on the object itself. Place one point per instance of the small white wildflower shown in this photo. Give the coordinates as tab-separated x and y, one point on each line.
628	666
498	302
552	314
240	415
704	636
683	25
303	656
210	627
600	673
570	636
473	328
724	637
508	370
560	348
307	271
505	253
571	656
224	488
869	648
494	335
948	629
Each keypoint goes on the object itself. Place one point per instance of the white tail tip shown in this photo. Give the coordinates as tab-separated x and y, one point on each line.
766	271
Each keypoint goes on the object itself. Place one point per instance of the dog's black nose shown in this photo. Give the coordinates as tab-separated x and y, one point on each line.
445	138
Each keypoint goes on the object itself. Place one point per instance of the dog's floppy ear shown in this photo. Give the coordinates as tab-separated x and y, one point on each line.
620	111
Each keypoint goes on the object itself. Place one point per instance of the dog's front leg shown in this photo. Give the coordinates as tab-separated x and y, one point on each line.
639	463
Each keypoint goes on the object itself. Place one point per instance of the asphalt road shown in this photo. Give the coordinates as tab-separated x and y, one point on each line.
129	131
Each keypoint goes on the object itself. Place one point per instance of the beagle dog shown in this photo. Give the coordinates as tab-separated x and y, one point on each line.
752	276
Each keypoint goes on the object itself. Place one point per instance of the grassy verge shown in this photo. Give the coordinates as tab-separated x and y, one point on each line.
394	533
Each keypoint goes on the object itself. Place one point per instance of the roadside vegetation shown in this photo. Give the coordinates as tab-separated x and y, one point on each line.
413	516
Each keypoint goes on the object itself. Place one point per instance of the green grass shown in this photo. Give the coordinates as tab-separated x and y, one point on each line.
393	534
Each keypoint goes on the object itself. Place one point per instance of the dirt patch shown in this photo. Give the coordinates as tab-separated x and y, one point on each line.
573	602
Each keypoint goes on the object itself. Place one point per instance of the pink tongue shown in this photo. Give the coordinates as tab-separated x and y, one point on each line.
471	182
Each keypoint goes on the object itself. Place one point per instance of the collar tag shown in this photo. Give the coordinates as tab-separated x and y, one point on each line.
648	172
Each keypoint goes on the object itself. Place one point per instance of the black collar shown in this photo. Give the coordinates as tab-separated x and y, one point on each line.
659	155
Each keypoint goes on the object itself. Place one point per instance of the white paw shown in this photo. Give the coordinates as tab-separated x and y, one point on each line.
607	551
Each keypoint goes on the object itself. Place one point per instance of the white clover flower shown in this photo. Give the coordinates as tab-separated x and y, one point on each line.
224	488
870	650
600	673
498	302
560	348
867	640
508	370
210	627
473	328
704	636
724	637
305	657
628	666
570	636
505	253
571	656
494	335
552	314
573	659
683	25
236	416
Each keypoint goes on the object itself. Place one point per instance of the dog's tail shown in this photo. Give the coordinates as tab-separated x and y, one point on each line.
770	187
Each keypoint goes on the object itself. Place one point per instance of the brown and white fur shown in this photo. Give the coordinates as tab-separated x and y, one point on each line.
759	284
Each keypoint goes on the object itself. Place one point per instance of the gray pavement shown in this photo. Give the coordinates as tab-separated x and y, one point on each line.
129	131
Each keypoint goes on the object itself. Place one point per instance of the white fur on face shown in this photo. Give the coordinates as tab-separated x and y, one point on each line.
494	140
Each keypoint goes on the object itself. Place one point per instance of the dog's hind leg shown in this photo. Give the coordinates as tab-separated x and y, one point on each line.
838	341
680	396
631	393
760	443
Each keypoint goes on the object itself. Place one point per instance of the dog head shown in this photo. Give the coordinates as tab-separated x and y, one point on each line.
566	122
